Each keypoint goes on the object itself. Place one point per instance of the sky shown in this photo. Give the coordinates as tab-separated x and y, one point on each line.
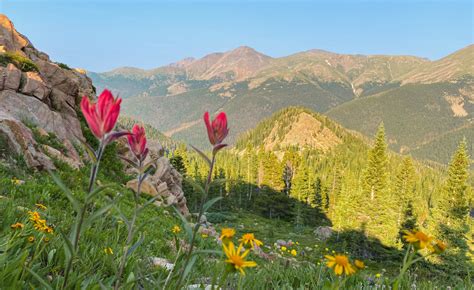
104	34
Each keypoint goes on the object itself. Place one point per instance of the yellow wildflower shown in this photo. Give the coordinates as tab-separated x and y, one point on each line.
283	248
359	264
46	239
17	226
204	236
236	258
378	275
108	251
227	233
418	239
326	249
293	252
176	229
41	206
34	216
340	263
250	239
31	239
16	181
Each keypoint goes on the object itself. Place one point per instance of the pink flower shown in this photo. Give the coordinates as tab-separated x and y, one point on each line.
101	116
217	130
137	142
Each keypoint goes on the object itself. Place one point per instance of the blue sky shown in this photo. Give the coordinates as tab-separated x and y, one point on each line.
105	34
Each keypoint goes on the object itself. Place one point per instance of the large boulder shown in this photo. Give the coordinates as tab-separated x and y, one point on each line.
47	97
20	142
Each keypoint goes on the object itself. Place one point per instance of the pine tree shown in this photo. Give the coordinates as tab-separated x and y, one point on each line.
452	212
404	189
375	180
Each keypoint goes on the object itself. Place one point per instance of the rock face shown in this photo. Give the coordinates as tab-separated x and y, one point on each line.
166	182
46	96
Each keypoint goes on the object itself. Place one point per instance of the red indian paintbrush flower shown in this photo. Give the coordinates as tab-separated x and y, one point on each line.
217	130
137	142
101	116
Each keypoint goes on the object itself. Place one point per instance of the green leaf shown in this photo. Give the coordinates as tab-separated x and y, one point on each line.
131	162
211	202
75	203
150	201
204	156
122	215
68	248
189	267
187	228
97	214
41	280
91	152
135	246
98	190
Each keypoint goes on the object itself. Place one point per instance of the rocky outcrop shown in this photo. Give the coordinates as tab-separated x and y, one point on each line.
166	181
45	95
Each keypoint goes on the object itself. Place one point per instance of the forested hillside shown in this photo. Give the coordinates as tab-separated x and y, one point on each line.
364	191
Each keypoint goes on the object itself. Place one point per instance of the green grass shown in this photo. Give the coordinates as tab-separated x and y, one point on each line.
21	62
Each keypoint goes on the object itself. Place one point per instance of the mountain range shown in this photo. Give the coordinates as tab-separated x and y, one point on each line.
426	106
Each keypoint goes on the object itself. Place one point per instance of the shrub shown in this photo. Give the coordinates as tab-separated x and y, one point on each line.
63	65
21	62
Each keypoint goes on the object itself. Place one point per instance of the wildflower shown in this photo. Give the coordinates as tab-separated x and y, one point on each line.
283	248
293	252
17	226
333	251
40	225
236	258
418	239
326	249
41	206
31	239
217	130
439	247
101	116
176	229
108	251
17	181
34	216
204	236
227	233
359	264
297	243
48	230
378	275
46	240
137	142
249	238
340	263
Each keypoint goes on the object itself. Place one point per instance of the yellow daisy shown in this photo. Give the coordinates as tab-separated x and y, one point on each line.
34	216
31	239
418	239
340	263
236	258
227	233
250	239
293	252
108	251
283	248
17	226
176	229
359	264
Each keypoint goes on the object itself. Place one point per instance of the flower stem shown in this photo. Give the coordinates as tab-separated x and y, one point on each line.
81	215
198	223
131	229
